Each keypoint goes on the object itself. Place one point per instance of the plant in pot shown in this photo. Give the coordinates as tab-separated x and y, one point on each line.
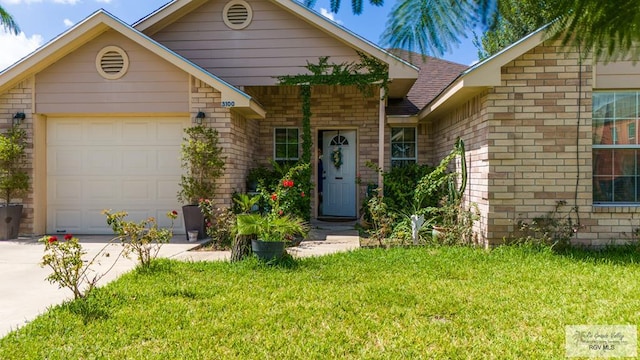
272	232
202	159
14	180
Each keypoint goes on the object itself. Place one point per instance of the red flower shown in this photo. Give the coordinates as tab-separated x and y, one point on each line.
209	224
274	197
280	212
175	213
287	183
52	239
68	237
302	194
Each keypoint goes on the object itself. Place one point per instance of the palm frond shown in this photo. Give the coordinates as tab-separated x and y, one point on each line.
7	22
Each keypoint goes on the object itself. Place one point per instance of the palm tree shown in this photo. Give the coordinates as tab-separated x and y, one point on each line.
7	22
609	28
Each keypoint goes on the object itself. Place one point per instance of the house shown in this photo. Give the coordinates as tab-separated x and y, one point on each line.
106	104
545	123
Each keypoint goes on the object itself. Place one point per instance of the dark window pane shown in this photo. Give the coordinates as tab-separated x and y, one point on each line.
281	136
603	105
625	105
292	136
292	151
603	162
602	189
281	151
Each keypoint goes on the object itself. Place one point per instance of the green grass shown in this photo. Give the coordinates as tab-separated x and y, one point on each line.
444	303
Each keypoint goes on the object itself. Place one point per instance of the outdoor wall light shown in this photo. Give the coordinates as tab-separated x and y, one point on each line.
201	115
18	118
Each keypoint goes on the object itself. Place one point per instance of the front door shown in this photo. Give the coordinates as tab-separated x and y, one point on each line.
339	165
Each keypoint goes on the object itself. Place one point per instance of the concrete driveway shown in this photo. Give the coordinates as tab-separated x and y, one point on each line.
24	292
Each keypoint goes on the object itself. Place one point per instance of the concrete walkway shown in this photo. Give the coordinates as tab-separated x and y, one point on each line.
24	292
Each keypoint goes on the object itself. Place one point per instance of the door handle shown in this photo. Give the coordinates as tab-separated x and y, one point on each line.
338	177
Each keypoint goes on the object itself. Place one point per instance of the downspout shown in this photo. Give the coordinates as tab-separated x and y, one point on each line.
381	120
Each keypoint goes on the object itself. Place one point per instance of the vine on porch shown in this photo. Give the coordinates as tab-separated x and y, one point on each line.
364	73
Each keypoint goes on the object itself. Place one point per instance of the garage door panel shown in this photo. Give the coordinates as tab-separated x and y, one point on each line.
95	189
119	164
168	132
141	189
66	221
65	189
101	132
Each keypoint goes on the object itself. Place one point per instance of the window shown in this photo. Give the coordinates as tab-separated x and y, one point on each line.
286	144
403	146
616	153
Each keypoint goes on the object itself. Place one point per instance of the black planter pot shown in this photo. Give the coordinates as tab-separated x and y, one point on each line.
10	217
267	250
193	220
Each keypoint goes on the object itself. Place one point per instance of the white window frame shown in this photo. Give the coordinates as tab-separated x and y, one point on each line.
608	183
275	144
403	160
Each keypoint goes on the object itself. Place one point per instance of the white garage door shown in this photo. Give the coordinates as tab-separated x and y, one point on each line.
130	164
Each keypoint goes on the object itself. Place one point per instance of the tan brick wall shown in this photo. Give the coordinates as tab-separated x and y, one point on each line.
20	99
237	137
332	107
532	143
469	122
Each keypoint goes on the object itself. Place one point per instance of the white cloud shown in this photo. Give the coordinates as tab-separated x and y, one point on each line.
20	46
329	15
14	2
104	1
66	2
68	23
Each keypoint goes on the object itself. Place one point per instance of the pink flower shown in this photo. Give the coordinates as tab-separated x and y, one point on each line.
68	237
280	212
52	239
302	194
209	224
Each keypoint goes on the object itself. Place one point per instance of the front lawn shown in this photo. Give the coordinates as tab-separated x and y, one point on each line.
445	303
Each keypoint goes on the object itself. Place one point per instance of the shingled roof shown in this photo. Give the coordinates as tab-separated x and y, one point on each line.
435	75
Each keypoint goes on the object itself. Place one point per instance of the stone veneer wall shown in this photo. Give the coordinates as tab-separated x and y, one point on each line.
332	107
237	136
20	99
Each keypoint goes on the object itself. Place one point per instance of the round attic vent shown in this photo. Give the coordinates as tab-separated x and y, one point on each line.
112	62
237	14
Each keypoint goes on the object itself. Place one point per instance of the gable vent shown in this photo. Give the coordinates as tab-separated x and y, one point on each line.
112	62
237	14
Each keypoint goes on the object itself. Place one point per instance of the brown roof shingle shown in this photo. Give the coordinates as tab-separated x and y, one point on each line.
435	75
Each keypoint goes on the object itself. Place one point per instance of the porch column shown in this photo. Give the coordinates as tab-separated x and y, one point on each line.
381	118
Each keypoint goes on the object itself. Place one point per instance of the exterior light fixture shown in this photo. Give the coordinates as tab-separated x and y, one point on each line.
201	115
18	118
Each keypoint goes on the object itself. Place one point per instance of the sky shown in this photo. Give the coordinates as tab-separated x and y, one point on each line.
41	21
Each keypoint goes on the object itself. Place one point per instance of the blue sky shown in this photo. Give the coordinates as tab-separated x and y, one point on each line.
42	20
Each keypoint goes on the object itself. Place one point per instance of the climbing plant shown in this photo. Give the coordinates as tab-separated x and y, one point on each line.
364	73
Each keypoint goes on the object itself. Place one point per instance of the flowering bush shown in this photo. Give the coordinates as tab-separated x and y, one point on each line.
144	238
290	196
219	223
64	257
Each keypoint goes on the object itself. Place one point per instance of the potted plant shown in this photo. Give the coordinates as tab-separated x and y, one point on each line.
204	164
272	232
14	180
